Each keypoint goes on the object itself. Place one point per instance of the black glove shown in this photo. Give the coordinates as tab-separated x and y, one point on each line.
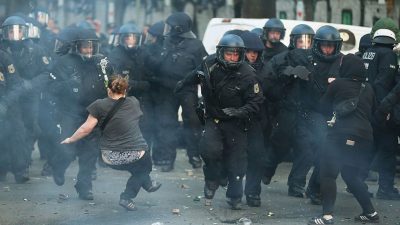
233	112
178	87
298	71
301	72
380	117
3	110
200	75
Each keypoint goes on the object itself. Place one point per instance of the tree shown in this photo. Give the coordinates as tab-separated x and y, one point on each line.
258	9
120	8
309	9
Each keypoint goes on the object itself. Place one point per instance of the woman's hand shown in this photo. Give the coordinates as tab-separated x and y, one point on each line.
66	141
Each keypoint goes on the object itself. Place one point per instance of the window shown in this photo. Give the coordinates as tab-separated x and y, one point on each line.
349	39
282	15
347	17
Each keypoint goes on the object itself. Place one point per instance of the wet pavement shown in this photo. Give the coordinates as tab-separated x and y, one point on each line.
179	201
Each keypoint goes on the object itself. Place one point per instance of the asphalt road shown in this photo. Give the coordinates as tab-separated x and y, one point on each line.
41	202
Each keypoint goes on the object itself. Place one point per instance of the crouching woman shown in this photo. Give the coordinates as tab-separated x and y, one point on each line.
121	143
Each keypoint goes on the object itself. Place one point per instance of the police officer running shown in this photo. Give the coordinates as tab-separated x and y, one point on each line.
232	97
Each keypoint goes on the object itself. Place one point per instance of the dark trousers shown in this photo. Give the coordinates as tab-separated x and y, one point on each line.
167	135
86	149
223	149
140	175
330	168
310	137
14	151
48	127
281	140
255	158
385	158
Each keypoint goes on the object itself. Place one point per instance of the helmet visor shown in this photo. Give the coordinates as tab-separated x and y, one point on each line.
42	18
88	48
303	41
33	31
150	39
167	29
15	33
131	40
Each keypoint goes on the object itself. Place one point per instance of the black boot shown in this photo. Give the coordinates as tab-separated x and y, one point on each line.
253	200
315	198
210	187
235	203
86	195
296	191
21	177
388	193
195	161
46	170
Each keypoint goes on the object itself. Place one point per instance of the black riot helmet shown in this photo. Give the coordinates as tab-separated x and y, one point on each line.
85	25
130	37
327	36
41	14
365	43
273	24
65	40
155	33
179	24
230	44
14	28
252	42
301	36
86	45
258	31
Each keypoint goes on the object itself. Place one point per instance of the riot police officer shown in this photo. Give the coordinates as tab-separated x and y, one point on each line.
13	146
273	33
182	53
381	64
281	95
127	60
256	148
79	81
32	63
302	98
232	97
47	37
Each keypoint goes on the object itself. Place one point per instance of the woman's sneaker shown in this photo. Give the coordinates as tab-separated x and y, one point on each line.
128	204
320	220
367	218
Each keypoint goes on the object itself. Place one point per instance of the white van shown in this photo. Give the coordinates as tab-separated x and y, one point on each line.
218	26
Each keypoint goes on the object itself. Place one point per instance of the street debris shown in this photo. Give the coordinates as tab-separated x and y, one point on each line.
176	211
244	221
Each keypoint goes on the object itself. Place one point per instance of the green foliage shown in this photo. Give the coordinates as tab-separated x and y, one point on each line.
386	23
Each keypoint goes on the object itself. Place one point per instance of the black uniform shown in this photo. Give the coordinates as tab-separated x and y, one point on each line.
130	62
180	57
78	83
298	118
381	64
224	141
13	157
32	63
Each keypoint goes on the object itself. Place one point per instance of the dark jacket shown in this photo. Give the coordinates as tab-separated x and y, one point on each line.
130	62
271	52
180	57
223	88
357	123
